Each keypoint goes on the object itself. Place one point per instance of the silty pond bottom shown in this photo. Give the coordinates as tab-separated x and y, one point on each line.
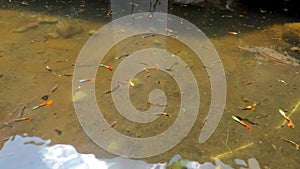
261	79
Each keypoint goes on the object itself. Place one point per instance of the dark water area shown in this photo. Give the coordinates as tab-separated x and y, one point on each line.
258	47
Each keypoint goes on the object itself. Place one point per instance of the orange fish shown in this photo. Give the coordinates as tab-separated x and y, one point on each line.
47	103
87	80
148	72
22	119
251	107
165	114
241	122
277	38
106	66
290	123
157	67
232	33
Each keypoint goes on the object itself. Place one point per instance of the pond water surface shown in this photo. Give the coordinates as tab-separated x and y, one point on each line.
26	50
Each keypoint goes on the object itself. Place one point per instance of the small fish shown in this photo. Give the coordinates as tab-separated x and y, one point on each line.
282	81
241	122
170	67
250	82
165	114
149	105
22	119
277	38
87	80
108	13
232	33
51	70
119	57
111	125
77	89
250	107
148	72
47	103
290	123
130	82
169	30
244	99
157	67
106	66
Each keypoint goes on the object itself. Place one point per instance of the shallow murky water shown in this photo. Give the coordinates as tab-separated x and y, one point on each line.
26	50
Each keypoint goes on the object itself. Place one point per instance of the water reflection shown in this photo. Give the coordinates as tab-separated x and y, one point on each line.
23	79
22	152
35	153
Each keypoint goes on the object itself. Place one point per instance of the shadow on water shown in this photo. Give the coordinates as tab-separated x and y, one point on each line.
65	26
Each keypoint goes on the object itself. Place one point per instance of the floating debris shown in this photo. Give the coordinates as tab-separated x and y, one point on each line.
228	153
52	90
271	55
113	89
58	132
77	89
21	110
170	67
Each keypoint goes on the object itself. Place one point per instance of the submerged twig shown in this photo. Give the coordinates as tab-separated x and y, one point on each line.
112	90
292	142
110	125
226	154
170	67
